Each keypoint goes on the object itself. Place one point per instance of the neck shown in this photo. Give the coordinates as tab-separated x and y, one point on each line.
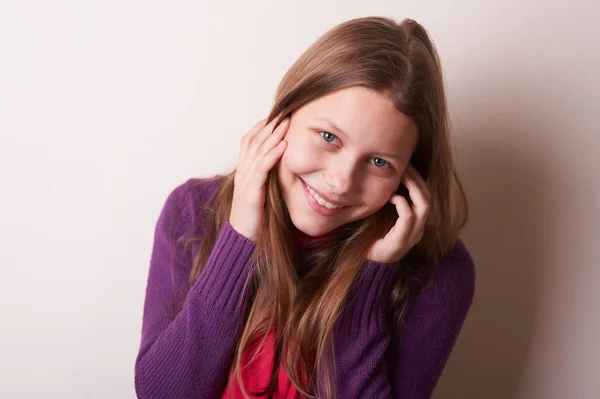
301	239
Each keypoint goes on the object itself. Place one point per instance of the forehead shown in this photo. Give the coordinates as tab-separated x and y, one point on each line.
366	117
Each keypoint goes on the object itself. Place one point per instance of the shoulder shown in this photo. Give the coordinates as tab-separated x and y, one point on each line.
450	288
195	191
454	274
186	200
193	194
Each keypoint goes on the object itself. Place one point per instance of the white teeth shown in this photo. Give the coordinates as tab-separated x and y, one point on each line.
321	201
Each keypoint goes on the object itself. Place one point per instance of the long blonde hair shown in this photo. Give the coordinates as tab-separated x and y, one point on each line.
395	59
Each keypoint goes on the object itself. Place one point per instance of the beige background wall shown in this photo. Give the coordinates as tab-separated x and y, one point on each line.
106	106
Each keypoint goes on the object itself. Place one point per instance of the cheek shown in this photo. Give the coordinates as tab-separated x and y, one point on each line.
300	157
377	195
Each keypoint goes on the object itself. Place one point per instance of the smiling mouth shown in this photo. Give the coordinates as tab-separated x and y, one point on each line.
319	204
322	201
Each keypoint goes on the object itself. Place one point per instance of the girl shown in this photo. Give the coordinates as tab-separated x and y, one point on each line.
328	263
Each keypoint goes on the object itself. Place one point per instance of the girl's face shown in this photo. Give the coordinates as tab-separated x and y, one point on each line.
348	148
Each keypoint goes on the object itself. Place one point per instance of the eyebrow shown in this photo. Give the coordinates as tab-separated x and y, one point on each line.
335	127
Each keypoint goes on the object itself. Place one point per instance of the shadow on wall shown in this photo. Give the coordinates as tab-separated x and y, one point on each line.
507	192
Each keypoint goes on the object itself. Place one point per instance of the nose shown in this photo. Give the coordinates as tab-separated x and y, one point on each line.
339	174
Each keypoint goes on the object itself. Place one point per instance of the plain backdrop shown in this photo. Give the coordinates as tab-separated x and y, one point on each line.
106	106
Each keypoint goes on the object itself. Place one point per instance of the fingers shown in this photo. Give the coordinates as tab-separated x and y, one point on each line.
275	138
255	139
257	157
260	138
261	148
405	222
247	138
268	161
419	194
411	221
414	173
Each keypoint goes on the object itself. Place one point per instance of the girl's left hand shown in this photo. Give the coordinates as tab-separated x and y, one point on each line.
410	226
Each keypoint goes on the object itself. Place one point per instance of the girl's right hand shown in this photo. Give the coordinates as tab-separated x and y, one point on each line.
260	150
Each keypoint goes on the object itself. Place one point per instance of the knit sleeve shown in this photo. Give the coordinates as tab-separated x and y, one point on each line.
376	360
189	356
361	337
421	344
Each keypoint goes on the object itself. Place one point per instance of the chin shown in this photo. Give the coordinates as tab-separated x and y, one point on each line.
304	224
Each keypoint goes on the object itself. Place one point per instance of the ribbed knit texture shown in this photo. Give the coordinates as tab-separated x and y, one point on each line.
190	355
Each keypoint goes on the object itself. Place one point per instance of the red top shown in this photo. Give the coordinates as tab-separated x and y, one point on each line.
256	377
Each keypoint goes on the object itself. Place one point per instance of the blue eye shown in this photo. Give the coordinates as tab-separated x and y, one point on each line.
327	135
382	163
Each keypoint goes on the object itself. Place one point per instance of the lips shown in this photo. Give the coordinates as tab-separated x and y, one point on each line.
315	206
326	198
